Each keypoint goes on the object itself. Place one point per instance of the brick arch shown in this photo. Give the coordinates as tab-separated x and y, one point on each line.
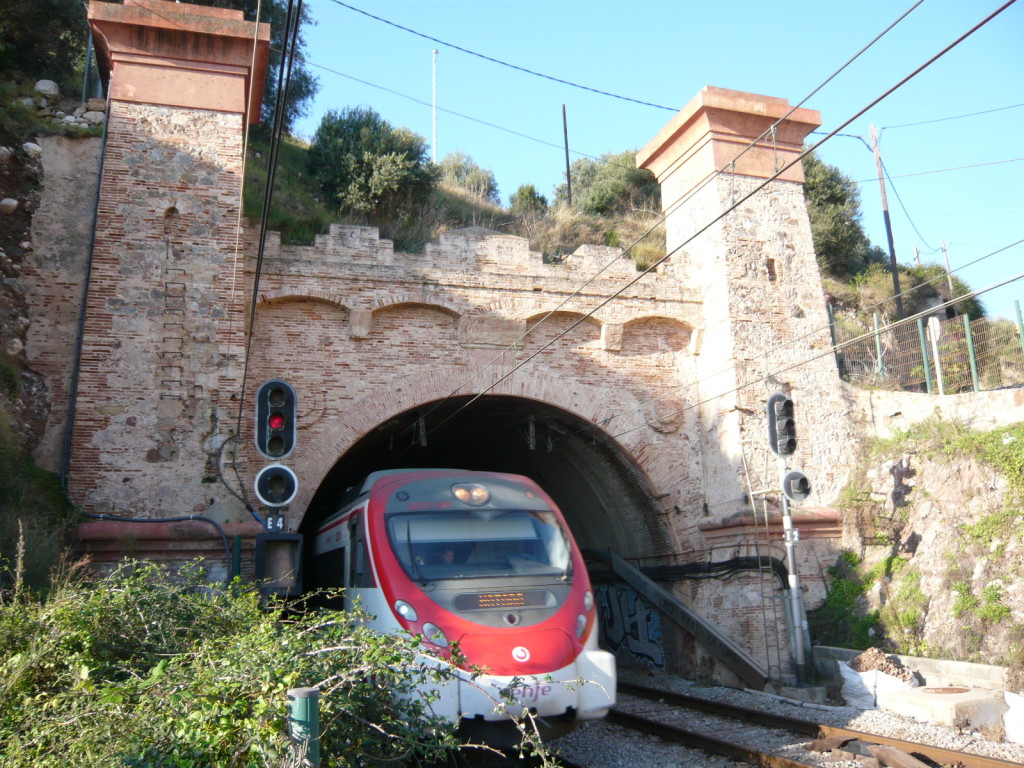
659	318
588	403
587	318
293	294
447	304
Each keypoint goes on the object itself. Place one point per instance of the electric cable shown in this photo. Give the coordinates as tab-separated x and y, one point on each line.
954	117
293	15
761	185
766	133
667	211
944	170
816	331
833	349
502	63
931	248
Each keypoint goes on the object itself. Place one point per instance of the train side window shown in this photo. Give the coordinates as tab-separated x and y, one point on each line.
358	571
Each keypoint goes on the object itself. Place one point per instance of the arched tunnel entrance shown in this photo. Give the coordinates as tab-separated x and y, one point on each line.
606	501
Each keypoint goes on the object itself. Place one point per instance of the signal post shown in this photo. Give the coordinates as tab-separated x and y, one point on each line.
795	487
278	554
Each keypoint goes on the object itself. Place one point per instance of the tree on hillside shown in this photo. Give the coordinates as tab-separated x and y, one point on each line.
366	167
44	39
458	170
526	202
833	205
611	185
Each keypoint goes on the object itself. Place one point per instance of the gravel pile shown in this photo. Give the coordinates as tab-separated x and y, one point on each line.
874	659
601	745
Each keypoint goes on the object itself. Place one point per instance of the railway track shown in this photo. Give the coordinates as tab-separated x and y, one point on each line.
766	739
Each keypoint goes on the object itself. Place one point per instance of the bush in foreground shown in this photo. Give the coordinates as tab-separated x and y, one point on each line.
137	669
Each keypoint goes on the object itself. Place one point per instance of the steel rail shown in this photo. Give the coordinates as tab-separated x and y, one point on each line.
702	741
812	728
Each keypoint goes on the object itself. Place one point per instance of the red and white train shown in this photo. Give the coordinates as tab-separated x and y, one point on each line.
484	560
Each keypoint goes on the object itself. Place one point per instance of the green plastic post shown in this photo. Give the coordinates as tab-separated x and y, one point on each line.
924	355
970	353
236	557
304	722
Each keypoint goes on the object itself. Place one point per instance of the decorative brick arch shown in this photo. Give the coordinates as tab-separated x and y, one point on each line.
446	304
587	319
299	294
588	403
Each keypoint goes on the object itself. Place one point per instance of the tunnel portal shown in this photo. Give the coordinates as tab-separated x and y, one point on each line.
606	500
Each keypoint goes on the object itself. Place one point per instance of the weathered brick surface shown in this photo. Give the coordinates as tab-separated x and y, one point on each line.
365	333
164	330
54	274
673	368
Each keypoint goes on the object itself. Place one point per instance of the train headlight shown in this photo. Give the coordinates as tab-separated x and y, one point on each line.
434	634
471	493
405	610
581	625
588	600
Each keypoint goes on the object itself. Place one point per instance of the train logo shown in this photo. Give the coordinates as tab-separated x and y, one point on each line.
482	562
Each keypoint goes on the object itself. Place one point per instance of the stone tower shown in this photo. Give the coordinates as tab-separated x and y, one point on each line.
765	323
163	342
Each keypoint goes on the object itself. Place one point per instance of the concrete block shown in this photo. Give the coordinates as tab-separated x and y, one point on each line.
951	706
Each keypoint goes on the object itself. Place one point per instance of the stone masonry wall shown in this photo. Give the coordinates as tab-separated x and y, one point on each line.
164	331
364	333
54	273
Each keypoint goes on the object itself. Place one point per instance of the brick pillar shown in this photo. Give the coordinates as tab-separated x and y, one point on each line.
164	336
763	308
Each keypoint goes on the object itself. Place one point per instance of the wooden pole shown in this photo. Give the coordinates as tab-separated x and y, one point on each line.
888	227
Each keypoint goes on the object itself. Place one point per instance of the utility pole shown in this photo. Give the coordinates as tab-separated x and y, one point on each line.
568	178
435	105
888	227
917	255
949	275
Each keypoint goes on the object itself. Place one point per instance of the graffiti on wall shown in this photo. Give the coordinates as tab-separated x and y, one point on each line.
630	628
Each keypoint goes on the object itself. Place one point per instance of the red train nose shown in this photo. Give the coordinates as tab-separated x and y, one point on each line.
519	652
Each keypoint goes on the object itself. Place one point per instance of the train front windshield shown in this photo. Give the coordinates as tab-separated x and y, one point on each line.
478	543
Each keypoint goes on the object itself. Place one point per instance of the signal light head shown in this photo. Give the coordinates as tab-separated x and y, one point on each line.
275	419
781	425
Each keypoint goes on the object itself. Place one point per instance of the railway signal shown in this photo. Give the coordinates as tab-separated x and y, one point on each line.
276	485
781	425
796	486
275	419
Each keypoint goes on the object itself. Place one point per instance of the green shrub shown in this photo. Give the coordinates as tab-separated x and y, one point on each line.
137	669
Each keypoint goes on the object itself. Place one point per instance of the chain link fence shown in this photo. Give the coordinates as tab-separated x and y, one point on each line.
943	356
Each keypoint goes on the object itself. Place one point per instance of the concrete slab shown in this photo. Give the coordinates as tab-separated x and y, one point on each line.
952	706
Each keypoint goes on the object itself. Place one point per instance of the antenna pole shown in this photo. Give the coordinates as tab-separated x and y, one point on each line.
435	105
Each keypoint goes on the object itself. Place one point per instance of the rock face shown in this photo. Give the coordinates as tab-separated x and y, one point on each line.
22	391
942	533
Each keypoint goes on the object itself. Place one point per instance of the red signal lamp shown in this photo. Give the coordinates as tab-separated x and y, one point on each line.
275	421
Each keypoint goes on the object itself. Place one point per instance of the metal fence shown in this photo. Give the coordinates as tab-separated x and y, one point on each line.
941	356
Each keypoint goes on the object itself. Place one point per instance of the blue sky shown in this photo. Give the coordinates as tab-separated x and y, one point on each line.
665	51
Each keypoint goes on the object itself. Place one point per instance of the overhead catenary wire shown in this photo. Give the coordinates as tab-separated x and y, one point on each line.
292	17
733	207
833	349
667	211
554	145
820	330
493	60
